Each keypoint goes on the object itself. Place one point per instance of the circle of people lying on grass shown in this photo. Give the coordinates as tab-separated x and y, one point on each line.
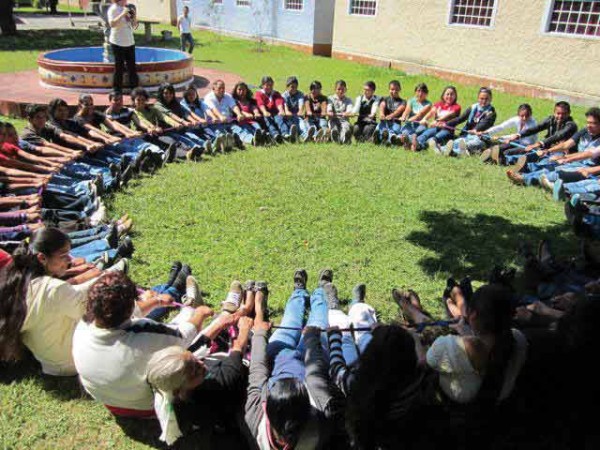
65	295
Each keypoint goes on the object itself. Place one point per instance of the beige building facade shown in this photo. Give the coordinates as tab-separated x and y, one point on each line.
547	48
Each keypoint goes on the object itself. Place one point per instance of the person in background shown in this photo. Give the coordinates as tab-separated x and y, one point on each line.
184	23
122	21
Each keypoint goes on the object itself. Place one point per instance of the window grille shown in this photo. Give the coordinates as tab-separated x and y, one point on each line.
294	5
363	7
472	12
580	18
242	2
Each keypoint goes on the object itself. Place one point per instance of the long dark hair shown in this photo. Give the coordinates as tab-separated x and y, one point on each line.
14	281
161	94
288	408
387	367
492	303
248	97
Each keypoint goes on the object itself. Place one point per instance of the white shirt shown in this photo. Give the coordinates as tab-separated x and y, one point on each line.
112	362
515	123
53	309
458	379
185	24
224	106
122	33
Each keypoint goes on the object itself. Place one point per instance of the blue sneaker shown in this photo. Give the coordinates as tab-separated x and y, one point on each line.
558	191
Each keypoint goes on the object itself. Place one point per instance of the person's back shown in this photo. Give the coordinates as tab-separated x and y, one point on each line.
53	309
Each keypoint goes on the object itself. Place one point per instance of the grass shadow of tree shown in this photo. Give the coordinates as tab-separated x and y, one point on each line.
473	245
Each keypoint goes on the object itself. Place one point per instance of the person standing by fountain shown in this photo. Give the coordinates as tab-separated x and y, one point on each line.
122	21
184	23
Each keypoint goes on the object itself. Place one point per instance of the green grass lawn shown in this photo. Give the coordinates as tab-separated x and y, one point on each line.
375	215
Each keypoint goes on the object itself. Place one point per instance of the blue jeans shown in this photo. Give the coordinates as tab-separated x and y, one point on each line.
393	128
282	124
245	131
410	128
79	238
440	135
286	347
271	126
317	122
161	312
93	250
589	186
567	171
474	144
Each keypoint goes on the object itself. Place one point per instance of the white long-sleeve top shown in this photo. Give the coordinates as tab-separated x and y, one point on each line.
516	123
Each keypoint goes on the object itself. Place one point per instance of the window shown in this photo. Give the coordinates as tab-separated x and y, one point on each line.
363	7
242	2
477	13
294	5
580	18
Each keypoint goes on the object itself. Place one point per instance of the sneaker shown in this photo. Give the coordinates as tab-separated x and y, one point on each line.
320	135
521	164
234	298
359	293
237	141
193	295
433	146
125	248
486	155
300	279
121	266
219	144
114	169
207	147
335	135
113	236
331	293
171	153
98	183
257	138
515	177
558	190
175	268
293	134
126	176
249	285
229	142
147	165
98	216
287	137
347	138
545	183
102	261
464	150
376	138
137	162
325	276
448	148
395	139
181	278
385	136
310	133
404	141
496	154
194	154
279	139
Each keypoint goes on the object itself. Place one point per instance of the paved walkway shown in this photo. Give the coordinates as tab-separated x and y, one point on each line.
22	88
32	21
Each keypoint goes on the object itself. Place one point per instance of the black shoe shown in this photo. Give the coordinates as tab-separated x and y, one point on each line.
450	284
125	248
126	176
279	139
359	293
113	236
147	165
170	153
238	141
331	292
175	268
99	183
114	169
180	280
261	286
325	276
123	163
137	162
300	279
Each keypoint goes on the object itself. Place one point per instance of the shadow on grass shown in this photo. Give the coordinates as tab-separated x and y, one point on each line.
473	245
50	39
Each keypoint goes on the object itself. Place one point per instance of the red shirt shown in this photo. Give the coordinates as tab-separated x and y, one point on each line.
443	109
270	102
5	259
249	107
10	151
